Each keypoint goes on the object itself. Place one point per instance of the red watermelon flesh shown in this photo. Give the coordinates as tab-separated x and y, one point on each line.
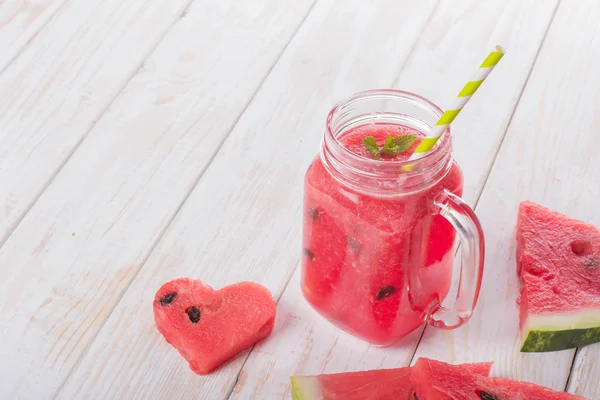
436	380
209	327
558	260
322	265
383	384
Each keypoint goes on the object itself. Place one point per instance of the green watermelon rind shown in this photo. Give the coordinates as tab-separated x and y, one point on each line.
543	341
561	332
305	388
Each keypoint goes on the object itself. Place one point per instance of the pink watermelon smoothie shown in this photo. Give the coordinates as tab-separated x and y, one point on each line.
361	250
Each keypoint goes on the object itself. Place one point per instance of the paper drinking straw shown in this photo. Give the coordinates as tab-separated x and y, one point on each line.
461	100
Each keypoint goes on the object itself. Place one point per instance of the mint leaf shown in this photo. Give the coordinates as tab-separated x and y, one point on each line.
404	142
371	146
390	148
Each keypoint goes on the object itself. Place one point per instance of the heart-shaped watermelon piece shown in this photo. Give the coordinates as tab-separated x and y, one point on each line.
209	327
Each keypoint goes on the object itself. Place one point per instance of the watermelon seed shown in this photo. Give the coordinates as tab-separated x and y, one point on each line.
309	254
167	298
385	292
415	397
194	314
487	396
314	213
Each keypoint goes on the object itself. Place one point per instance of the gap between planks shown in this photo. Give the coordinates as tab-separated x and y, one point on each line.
493	163
72	151
571	369
183	200
414	46
33	36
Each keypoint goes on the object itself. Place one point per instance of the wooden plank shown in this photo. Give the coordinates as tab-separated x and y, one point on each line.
549	156
585	372
74	254
579	183
241	222
456	42
62	82
453	42
20	20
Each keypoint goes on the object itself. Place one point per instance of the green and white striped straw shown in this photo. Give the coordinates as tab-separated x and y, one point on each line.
461	100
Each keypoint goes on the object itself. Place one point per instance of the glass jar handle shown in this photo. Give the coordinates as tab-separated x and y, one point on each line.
469	231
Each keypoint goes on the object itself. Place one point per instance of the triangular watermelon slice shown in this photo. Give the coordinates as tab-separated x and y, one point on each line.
383	384
558	260
436	380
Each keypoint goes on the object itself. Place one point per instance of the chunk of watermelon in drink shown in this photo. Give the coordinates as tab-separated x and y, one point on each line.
323	262
375	265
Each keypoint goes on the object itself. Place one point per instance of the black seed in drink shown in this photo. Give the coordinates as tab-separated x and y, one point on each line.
487	396
167	299
353	243
194	314
309	254
314	213
385	292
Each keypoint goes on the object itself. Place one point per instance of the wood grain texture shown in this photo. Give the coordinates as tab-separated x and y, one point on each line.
76	251
577	175
459	36
242	220
62	82
585	372
549	156
306	344
20	20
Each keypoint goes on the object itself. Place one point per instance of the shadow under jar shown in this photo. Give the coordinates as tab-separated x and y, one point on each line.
379	233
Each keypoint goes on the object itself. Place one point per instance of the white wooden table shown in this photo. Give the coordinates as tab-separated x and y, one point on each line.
145	140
